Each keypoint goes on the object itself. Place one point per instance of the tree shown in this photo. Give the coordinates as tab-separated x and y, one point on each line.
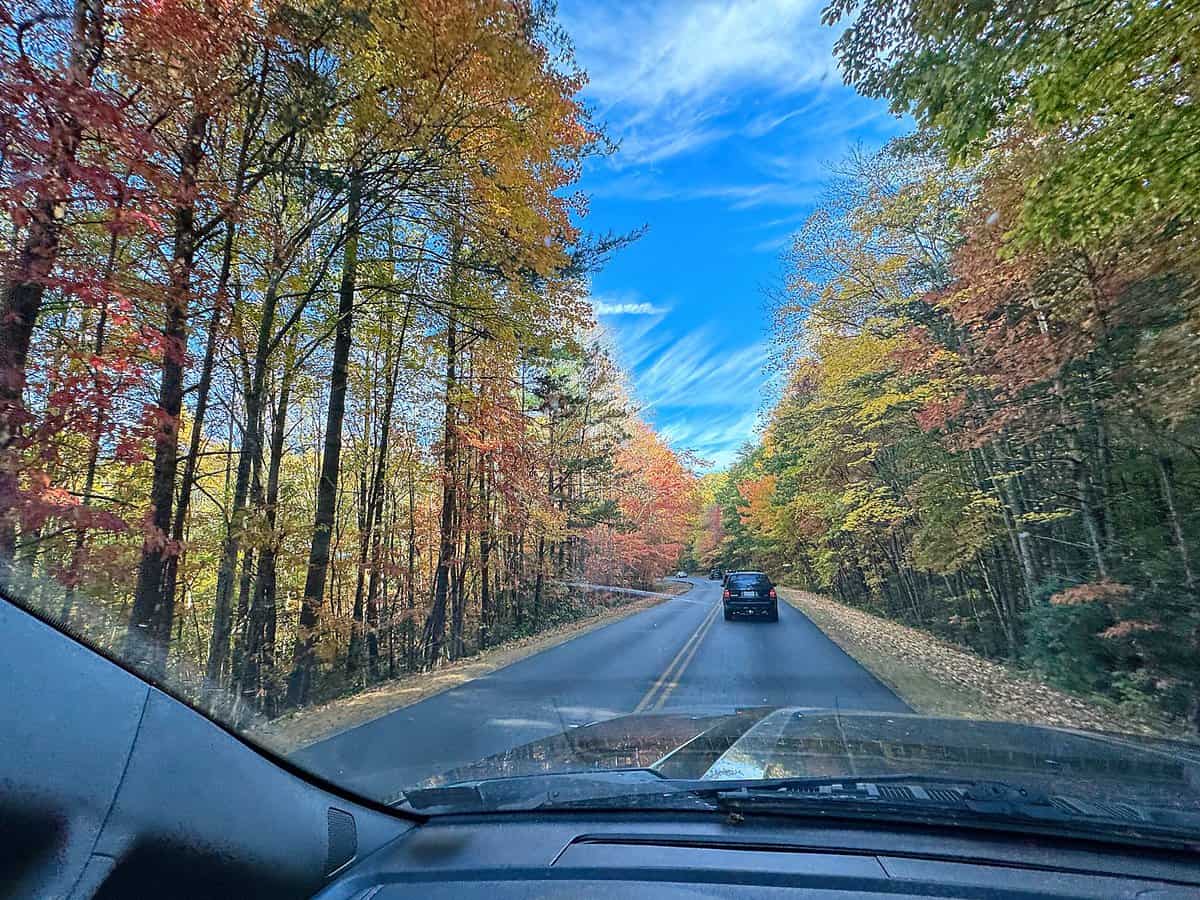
1109	89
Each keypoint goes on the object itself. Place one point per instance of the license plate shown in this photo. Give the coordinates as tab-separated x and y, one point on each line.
749	595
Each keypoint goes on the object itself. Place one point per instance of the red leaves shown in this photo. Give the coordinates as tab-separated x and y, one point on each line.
937	413
37	501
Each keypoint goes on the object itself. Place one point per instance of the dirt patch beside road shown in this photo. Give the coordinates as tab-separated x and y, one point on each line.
939	679
294	731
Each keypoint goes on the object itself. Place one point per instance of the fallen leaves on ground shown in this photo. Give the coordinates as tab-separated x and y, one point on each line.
973	687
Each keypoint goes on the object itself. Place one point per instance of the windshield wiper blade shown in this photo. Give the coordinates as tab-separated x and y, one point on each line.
523	792
990	804
913	797
730	788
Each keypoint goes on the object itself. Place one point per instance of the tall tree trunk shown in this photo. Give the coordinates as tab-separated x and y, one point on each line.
357	615
259	649
192	462
375	524
1166	474
485	552
150	620
304	660
539	584
435	622
248	454
89	478
1085	486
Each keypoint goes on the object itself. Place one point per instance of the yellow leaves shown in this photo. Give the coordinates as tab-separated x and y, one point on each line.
870	507
845	359
1048	517
956	522
876	408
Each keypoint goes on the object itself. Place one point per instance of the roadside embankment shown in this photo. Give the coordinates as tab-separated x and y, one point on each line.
939	679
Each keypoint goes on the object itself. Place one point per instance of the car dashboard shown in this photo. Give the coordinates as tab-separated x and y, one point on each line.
681	855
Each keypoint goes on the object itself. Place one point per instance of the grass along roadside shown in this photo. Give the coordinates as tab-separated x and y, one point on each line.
939	679
672	586
299	729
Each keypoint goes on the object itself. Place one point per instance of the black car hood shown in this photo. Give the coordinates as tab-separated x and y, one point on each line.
792	742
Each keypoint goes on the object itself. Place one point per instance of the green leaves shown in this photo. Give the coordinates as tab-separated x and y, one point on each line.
1108	90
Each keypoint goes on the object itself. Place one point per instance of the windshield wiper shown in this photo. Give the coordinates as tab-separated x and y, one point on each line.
918	799
525	792
620	787
727	792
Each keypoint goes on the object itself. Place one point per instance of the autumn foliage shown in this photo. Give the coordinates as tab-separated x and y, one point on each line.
298	385
988	423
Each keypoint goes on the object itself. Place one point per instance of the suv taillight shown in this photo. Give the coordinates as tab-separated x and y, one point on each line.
771	593
726	595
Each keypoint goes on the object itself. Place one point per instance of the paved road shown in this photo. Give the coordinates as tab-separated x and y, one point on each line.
681	653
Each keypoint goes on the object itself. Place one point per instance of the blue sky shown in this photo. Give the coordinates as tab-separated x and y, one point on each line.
729	114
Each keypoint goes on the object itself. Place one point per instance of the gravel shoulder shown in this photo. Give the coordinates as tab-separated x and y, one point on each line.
939	679
297	730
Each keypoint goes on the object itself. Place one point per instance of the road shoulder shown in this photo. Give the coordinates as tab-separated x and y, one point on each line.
938	679
301	729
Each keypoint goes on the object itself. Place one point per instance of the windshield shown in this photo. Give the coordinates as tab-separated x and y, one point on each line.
438	393
748	581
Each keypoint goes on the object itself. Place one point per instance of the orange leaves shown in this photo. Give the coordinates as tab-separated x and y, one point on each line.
761	513
1093	592
657	496
1129	628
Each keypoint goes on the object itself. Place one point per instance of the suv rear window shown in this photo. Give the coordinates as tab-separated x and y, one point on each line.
742	582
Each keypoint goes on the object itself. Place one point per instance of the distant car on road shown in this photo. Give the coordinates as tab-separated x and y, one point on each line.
750	593
681	574
714	575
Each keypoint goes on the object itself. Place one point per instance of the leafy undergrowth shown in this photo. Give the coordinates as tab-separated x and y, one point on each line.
939	679
299	729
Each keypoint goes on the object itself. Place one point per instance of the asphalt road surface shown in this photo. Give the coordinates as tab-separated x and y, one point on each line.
679	654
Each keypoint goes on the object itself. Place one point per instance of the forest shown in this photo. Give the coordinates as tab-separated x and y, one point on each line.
300	387
987	349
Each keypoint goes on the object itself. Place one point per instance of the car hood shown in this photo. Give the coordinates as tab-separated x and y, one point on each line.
787	742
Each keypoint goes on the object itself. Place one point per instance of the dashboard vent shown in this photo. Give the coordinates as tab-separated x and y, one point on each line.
343	840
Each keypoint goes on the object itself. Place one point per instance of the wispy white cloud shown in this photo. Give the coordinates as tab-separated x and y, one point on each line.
626	303
627	309
766	122
702	369
701	389
646	146
649	56
738	196
715	438
773	245
672	68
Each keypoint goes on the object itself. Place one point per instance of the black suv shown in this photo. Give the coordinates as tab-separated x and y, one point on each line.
750	592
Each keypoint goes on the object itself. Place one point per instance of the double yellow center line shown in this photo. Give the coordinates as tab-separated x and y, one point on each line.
671	676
